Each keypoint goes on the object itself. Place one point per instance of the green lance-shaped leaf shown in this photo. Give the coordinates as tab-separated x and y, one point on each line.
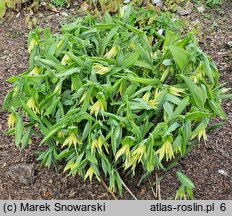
159	130
173	99
50	63
119	182
168	107
216	107
68	72
195	91
52	48
91	157
88	33
52	107
7	100
180	56
180	108
143	64
64	154
69	164
131	89
141	91
77	163
18	129
106	40
146	81
72	115
196	115
186	131
13	79
115	138
170	38
46	102
215	126
70	27
177	144
172	128
75	58
62	45
130	59
26	138
208	70
2	9
184	180
129	27
86	131
161	98
105	26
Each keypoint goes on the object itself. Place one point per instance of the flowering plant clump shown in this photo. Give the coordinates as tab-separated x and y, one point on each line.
105	96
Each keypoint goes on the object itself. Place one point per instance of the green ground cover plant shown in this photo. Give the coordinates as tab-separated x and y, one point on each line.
28	4
11	4
111	95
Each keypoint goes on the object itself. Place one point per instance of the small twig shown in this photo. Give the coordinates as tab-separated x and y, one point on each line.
123	183
158	191
108	190
152	189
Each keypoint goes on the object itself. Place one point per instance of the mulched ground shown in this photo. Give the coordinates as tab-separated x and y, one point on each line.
202	164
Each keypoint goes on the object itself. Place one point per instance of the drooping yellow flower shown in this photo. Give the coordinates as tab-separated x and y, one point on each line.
65	60
97	144
139	152
96	107
31	104
152	102
197	77
89	173
72	140
146	97
100	69
202	133
61	134
133	45
180	194
166	149
120	90
70	166
32	45
93	145
176	91
11	120
157	93
136	157
112	52
124	150
36	71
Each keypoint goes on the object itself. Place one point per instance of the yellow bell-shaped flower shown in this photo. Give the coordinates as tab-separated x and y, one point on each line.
11	120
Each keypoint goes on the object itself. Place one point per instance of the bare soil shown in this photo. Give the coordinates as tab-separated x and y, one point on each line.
202	164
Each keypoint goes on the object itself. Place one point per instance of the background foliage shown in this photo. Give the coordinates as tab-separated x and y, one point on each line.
103	5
